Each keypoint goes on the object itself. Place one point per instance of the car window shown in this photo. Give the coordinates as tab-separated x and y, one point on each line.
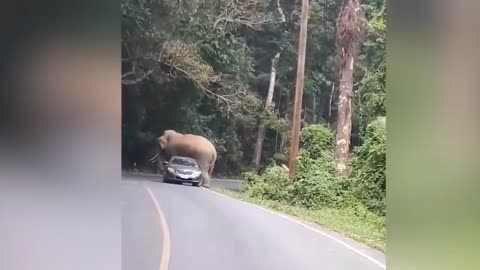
185	162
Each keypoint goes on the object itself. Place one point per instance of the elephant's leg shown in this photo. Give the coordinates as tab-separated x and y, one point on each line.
204	167
206	179
210	171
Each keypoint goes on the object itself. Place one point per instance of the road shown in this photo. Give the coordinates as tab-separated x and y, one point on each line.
179	227
216	182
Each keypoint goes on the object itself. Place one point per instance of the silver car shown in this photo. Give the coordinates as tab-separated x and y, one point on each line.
182	170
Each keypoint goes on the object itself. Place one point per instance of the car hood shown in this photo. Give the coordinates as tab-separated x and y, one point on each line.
184	168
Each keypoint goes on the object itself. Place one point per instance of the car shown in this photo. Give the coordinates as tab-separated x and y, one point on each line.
182	170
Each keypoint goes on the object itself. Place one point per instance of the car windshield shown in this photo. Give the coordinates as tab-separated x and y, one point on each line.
185	162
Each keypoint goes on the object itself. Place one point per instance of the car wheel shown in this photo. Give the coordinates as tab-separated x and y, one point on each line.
196	184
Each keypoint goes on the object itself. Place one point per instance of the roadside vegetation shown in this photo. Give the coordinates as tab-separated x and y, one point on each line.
354	206
366	228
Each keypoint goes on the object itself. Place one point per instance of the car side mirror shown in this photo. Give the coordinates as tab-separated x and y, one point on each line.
165	163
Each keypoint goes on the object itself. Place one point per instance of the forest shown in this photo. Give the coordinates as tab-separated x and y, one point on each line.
226	70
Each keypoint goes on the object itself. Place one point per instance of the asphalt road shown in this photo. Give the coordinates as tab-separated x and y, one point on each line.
180	227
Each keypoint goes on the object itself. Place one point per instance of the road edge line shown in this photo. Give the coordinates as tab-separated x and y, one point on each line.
348	246
165	258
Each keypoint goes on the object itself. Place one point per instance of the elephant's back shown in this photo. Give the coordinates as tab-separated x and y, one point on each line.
202	141
190	144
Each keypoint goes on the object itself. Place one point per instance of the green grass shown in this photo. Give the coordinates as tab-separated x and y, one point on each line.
357	224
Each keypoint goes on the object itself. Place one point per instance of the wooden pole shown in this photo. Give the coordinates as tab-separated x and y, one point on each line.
297	107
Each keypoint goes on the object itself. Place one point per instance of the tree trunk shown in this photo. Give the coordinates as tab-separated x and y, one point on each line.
314	113
330	105
351	27
344	117
257	155
268	103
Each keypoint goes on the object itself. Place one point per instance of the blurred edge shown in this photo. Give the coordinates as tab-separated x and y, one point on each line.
60	135
433	202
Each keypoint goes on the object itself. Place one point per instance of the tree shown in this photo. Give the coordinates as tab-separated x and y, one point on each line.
371	91
187	65
257	154
350	29
206	67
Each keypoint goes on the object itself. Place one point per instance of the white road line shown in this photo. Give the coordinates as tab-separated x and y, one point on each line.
227	180
348	246
165	258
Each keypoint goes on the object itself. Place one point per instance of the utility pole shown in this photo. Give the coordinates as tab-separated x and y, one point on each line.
297	107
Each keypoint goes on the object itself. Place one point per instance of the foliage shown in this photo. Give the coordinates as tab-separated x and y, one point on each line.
185	58
203	67
315	184
316	140
188	67
373	98
369	164
372	91
271	185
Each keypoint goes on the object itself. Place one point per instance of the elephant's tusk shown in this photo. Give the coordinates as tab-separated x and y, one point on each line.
154	157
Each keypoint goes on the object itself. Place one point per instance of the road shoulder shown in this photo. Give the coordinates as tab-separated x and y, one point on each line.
373	254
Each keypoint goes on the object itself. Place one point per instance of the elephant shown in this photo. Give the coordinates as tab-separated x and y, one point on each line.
173	143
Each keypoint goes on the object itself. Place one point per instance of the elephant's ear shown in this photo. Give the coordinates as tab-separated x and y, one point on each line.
162	141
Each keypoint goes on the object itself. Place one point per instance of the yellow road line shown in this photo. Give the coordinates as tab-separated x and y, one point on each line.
165	258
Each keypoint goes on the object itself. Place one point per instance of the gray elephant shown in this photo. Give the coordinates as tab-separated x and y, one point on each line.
173	143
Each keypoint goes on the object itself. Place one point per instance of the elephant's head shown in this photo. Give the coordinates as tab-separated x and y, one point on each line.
165	139
162	152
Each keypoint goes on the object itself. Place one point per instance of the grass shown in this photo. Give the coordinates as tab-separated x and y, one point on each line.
356	224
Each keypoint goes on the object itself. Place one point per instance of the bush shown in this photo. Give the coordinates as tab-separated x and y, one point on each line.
315	184
271	185
369	165
316	141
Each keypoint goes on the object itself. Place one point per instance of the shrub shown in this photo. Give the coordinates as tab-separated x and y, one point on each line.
316	140
315	184
369	165
271	185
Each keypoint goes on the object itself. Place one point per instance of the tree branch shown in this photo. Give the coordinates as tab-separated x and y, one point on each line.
280	11
191	77
137	80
